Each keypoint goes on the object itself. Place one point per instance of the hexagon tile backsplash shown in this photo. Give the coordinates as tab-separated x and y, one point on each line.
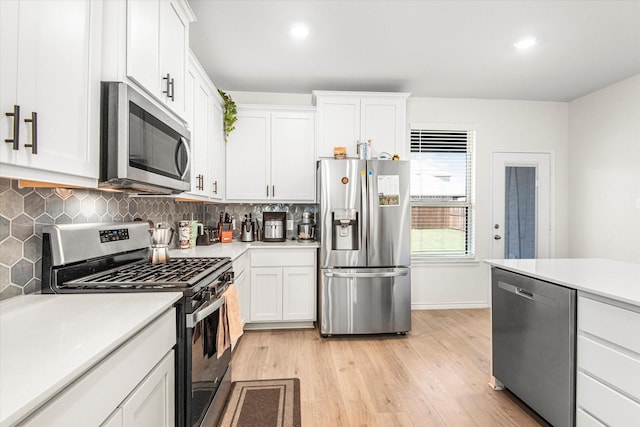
24	211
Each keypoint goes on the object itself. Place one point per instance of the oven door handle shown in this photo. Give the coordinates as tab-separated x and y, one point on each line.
194	318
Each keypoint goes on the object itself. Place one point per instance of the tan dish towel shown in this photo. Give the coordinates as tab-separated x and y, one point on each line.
230	326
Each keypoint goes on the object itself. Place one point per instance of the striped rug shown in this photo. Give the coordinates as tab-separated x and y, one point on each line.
263	403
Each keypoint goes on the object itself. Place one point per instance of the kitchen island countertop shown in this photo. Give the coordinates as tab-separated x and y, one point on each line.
616	280
49	341
235	249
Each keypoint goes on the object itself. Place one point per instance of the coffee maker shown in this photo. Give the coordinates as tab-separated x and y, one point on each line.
160	237
274	226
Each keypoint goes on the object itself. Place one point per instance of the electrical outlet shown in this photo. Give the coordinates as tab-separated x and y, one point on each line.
290	225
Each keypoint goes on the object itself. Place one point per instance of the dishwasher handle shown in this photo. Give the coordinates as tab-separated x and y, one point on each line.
521	292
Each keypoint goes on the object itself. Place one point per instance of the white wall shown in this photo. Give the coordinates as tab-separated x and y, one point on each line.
501	126
604	173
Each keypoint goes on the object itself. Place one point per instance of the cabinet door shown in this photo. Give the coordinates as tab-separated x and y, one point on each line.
248	157
153	401
200	140
216	150
338	124
298	293
241	285
143	32
54	73
384	123
173	53
293	156
266	294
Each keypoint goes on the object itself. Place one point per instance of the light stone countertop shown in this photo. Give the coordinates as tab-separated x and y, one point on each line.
49	341
616	280
235	248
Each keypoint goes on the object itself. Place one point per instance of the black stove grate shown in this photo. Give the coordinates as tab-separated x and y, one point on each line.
176	273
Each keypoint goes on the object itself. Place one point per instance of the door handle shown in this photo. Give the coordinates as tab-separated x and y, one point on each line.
16	127
497	237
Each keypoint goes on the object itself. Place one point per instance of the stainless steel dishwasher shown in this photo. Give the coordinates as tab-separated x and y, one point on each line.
533	326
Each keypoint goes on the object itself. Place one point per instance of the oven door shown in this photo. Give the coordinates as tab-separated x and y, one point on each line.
206	388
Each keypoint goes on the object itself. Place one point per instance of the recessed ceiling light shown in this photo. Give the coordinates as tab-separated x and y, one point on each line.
299	31
525	43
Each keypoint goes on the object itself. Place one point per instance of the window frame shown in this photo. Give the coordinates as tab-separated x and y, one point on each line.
470	251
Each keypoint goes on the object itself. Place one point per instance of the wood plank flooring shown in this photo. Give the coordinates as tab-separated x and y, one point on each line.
437	375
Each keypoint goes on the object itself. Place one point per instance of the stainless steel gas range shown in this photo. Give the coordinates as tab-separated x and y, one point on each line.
114	257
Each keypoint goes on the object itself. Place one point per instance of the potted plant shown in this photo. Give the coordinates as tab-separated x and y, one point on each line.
230	113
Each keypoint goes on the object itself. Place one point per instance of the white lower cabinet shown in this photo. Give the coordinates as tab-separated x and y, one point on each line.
283	285
152	402
608	363
132	386
241	272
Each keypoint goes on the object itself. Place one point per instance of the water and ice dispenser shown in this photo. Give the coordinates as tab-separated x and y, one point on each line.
344	224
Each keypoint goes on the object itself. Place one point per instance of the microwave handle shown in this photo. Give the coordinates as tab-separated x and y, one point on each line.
186	170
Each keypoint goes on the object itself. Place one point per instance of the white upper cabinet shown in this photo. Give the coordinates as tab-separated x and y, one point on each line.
50	90
204	114
157	49
270	155
344	118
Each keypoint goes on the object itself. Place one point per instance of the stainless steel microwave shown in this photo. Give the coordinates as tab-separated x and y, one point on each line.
142	148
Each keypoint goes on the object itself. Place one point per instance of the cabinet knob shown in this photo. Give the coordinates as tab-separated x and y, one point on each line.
497	237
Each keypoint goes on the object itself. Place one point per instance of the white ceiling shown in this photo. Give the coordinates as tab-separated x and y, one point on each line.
461	49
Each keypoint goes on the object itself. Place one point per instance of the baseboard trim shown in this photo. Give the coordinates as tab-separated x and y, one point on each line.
278	325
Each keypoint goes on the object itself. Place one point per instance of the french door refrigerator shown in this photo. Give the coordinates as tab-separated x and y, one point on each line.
365	263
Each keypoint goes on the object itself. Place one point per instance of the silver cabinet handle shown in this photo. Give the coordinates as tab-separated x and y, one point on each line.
34	132
194	318
15	135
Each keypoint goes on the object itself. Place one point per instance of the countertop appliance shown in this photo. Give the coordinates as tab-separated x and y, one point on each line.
533	339
113	257
274	226
142	148
248	229
365	263
307	228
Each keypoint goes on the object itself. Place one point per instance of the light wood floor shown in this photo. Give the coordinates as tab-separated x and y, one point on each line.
437	375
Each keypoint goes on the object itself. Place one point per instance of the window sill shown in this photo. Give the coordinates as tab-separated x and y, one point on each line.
423	260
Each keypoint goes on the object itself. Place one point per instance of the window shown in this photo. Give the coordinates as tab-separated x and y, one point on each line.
442	193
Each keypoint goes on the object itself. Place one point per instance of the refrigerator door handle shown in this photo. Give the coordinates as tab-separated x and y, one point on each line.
398	273
364	227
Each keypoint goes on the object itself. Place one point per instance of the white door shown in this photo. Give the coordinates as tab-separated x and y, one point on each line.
521	205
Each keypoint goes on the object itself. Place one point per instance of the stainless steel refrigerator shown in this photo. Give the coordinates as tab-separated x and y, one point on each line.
365	263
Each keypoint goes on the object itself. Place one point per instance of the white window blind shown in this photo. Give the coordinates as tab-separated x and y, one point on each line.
442	192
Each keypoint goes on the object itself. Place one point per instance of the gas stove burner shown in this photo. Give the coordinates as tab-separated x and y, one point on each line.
176	273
